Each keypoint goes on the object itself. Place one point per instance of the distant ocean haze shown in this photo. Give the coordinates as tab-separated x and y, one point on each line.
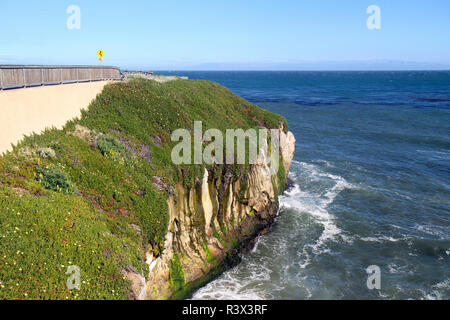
342	65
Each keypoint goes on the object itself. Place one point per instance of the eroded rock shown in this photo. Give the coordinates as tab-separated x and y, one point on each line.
137	283
207	221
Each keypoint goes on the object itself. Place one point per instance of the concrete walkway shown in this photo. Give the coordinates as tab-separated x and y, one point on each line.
29	110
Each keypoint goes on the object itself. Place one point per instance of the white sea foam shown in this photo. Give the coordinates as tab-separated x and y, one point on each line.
393	268
380	239
249	280
400	269
434	294
315	203
443	284
233	286
430	229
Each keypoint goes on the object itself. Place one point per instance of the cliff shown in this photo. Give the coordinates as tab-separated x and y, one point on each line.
210	222
103	194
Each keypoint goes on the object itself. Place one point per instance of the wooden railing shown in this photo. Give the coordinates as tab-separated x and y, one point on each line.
21	76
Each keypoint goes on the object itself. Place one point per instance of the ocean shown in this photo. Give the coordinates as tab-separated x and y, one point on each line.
370	185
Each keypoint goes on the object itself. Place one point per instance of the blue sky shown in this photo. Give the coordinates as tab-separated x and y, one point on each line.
259	34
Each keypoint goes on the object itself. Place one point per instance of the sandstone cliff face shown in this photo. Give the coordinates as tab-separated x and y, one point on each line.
208	223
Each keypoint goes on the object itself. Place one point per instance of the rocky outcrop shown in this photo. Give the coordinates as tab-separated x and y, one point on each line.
287	143
137	283
210	221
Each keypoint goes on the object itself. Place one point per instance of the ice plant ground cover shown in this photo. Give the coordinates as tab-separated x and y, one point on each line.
117	157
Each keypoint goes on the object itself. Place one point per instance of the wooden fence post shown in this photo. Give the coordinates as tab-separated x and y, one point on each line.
23	78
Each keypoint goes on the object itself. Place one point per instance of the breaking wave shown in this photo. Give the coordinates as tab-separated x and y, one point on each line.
267	269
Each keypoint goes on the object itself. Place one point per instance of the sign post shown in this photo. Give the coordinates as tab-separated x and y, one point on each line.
100	53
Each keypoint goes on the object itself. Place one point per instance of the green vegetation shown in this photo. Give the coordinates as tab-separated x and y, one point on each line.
281	177
110	147
71	196
53	178
177	279
209	256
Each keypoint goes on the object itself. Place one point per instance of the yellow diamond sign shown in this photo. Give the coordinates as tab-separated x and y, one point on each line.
100	53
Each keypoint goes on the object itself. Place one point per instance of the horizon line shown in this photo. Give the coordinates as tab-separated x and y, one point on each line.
293	70
225	70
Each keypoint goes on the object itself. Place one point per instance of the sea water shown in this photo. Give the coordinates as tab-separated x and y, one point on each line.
370	185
